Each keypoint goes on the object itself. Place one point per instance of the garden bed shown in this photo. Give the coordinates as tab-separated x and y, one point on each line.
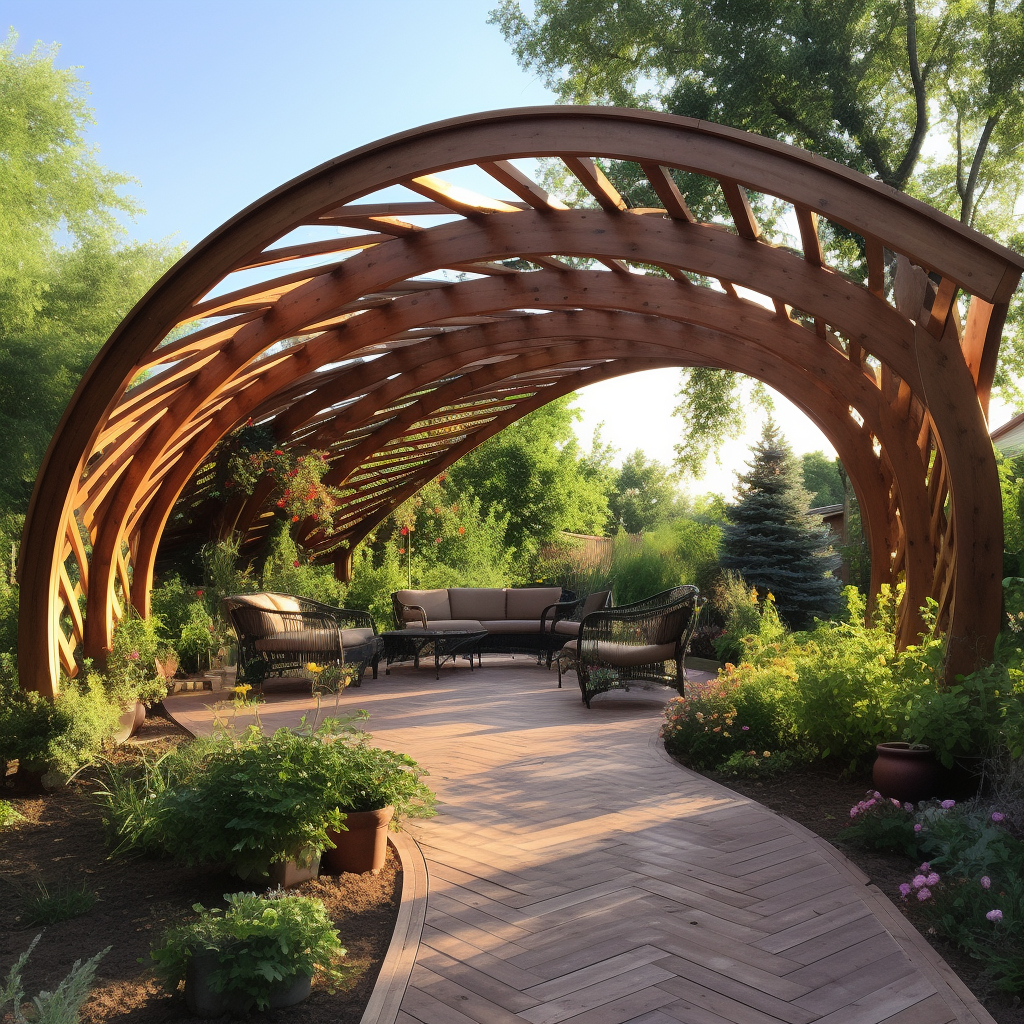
819	798
63	843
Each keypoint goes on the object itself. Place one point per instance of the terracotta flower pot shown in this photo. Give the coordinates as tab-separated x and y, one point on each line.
364	846
285	874
906	771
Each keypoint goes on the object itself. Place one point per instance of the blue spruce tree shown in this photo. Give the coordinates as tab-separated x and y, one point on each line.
770	541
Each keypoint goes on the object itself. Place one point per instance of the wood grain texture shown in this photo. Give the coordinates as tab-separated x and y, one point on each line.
577	873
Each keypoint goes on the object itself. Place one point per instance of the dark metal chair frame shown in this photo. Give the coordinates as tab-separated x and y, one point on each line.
669	616
320	623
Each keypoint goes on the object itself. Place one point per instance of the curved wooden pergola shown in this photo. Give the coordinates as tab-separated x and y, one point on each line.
397	371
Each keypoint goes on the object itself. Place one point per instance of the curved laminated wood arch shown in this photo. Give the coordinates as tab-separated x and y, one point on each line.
399	331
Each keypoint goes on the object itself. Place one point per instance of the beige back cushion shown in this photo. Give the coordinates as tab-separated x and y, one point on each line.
477	602
433	602
530	602
284	603
594	603
266	603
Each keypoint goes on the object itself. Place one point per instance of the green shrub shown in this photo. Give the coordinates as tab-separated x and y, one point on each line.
246	801
259	941
171	601
882	823
131	665
9	815
700	728
197	638
53	904
83	718
62	1005
375	576
749	764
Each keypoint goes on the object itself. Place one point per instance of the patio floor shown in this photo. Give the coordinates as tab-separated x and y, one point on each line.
577	873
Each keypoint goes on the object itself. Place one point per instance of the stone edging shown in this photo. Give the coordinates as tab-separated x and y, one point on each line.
961	1000
395	972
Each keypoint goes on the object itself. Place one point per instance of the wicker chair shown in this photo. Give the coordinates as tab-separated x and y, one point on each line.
279	633
638	644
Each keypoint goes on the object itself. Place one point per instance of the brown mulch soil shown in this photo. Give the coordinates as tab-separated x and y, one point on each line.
819	798
63	842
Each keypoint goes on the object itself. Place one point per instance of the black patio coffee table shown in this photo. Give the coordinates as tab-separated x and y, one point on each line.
402	644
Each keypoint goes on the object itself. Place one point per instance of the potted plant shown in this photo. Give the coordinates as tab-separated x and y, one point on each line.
376	789
262	952
260	805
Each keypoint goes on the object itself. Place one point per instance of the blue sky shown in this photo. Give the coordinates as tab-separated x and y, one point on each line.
211	105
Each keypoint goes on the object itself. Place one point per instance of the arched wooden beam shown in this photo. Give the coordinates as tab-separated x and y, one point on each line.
960	257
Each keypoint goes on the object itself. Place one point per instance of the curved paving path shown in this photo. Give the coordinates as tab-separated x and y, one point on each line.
577	874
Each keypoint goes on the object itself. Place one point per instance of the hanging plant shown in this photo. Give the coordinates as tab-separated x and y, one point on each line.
299	490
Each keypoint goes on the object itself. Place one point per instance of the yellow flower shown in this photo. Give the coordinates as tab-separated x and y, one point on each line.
767	753
771	596
313	667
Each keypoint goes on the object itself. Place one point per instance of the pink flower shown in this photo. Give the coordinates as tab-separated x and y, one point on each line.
920	880
925	867
918	827
947	804
998	816
909	808
924	894
905	889
745	728
134	656
986	882
933	878
895	802
994	915
877	795
296	563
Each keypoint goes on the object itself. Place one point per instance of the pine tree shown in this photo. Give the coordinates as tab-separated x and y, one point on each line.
771	543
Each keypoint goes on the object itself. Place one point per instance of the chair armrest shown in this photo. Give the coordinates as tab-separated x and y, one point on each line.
355	617
411	607
560	610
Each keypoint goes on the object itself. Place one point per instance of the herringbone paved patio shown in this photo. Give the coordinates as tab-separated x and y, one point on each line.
577	874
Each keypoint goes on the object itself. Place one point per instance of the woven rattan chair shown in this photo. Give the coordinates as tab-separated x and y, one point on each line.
639	644
279	633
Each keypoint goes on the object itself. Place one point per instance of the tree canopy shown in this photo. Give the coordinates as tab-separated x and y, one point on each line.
67	277
927	97
645	496
822	479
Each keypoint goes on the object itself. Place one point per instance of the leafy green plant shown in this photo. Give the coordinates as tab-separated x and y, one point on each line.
259	942
372	778
9	815
60	902
131	665
749	764
62	1005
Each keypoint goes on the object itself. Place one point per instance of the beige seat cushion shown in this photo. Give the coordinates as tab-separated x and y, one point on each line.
530	602
307	641
567	627
433	602
624	656
511	625
443	625
356	635
477	603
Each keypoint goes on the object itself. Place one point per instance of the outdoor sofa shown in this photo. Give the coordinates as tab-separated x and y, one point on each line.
634	645
532	620
279	633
